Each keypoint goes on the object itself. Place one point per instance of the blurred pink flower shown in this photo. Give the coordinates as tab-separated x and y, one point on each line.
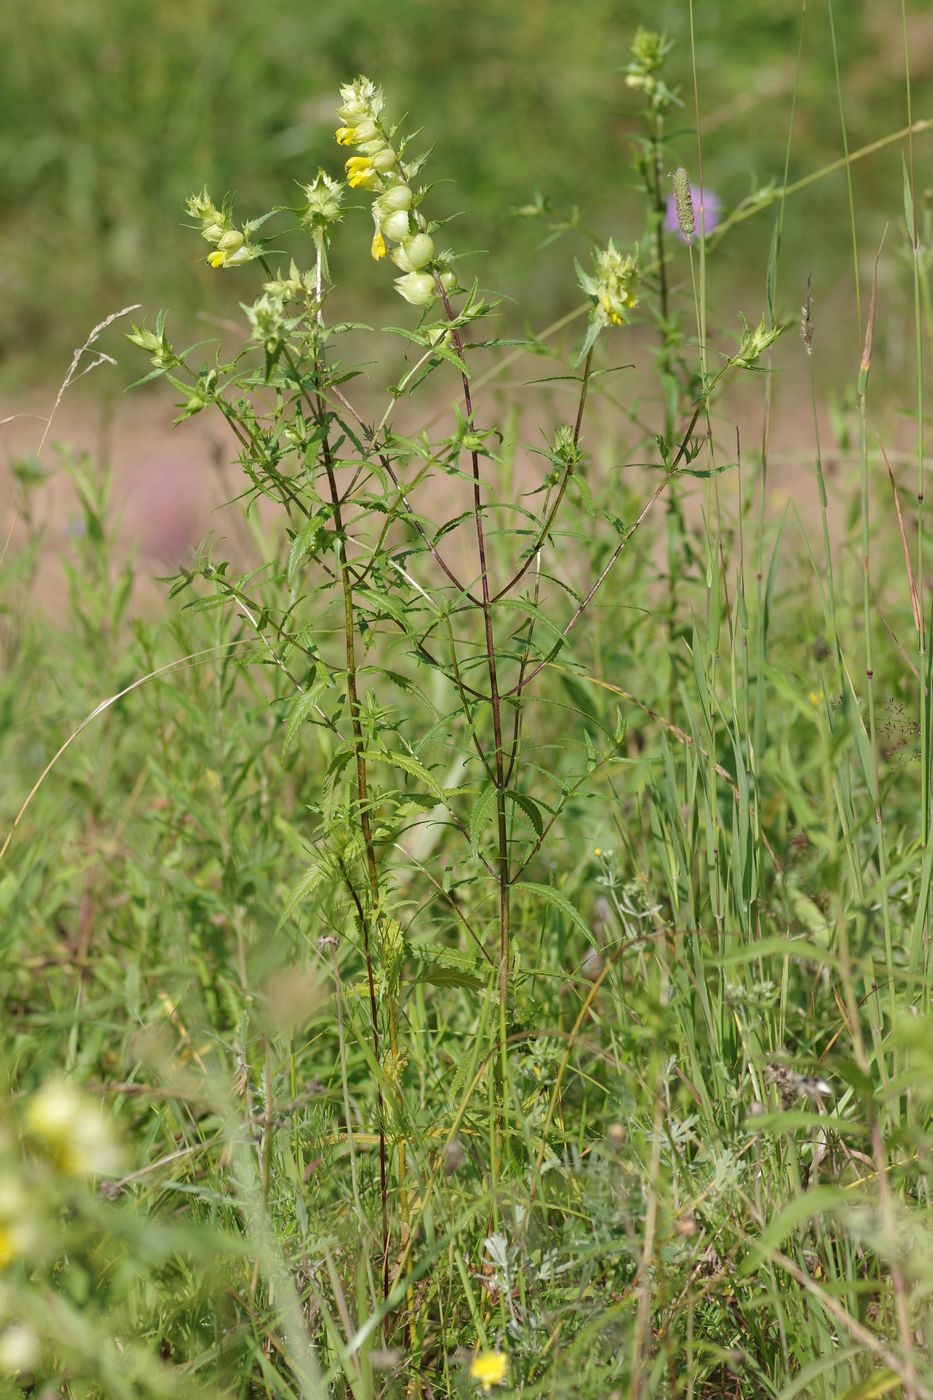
706	207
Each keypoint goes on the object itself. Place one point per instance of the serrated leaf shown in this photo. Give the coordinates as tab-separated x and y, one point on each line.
706	472
531	809
409	764
304	544
448	967
300	892
477	817
557	901
301	709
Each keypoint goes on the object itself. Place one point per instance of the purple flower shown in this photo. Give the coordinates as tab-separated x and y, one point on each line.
706	207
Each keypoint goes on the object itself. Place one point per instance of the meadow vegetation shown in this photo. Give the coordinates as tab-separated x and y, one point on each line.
474	937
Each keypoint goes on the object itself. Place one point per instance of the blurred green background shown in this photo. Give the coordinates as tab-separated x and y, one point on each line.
111	111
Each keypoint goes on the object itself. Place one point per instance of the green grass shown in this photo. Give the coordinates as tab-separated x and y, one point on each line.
650	1113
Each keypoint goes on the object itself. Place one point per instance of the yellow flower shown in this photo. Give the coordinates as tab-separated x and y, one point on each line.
73	1129
489	1368
345	135
360	173
223	257
10	1245
17	1224
378	249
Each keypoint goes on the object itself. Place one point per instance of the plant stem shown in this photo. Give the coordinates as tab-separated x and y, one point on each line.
495	703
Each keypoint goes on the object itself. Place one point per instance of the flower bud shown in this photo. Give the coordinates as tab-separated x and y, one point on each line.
362	100
398	197
365	131
756	342
385	160
373	147
378	246
402	260
448	281
416	287
231	240
213	232
419	249
323	196
395	226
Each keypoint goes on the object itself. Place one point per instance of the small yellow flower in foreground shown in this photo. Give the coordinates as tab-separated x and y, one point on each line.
345	135
18	1231
378	248
73	1129
489	1368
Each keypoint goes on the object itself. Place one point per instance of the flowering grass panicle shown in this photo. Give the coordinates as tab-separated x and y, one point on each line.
691	211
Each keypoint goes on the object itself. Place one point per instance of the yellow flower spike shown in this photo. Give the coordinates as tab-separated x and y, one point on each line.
378	249
489	1368
345	135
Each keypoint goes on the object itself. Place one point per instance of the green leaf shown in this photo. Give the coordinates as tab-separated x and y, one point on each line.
820	1200
706	472
300	892
408	764
775	947
877	1384
477	817
448	967
908	202
861	1082
531	809
305	545
557	901
301	709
